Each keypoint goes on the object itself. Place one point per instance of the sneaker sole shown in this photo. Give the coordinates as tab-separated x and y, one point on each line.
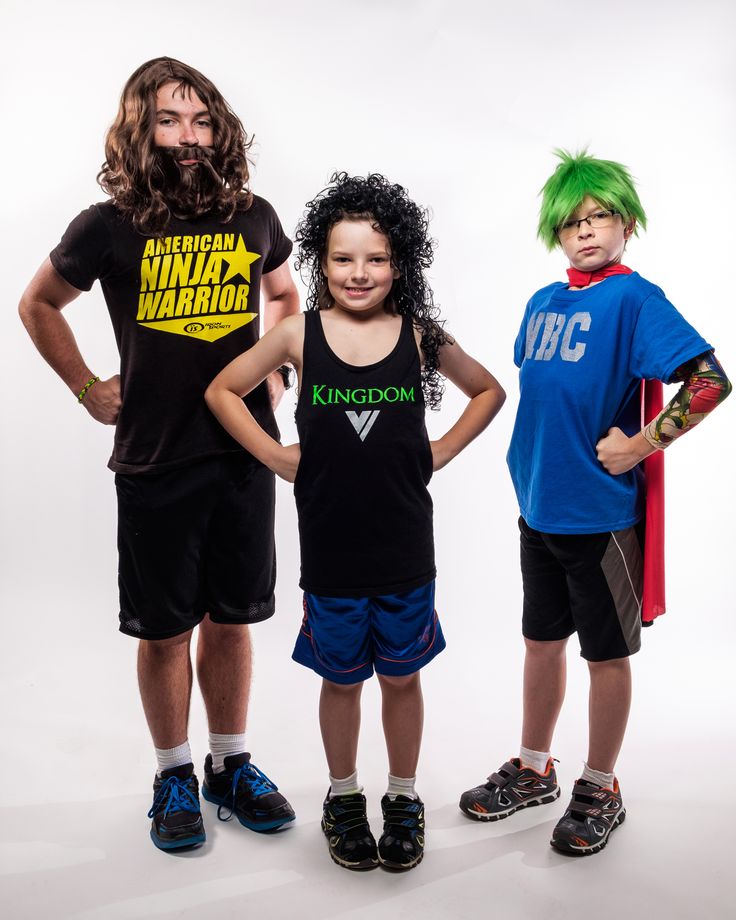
195	840
261	826
365	865
571	850
499	815
400	867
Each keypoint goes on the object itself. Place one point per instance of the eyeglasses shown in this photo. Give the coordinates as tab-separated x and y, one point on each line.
597	221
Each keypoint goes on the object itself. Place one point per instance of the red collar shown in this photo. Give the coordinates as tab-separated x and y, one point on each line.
583	279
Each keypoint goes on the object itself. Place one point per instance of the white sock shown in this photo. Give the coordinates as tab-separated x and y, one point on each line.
400	785
605	780
537	760
166	758
345	786
222	746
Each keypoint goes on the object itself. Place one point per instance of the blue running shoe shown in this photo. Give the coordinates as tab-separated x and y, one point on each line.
177	820
243	791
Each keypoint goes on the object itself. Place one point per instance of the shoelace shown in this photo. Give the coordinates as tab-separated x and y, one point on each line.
174	795
258	784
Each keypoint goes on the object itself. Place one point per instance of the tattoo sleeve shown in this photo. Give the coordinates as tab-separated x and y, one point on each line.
704	385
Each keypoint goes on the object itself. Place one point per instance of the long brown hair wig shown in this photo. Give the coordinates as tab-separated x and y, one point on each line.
132	174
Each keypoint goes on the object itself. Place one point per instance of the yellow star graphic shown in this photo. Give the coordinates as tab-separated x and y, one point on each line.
239	261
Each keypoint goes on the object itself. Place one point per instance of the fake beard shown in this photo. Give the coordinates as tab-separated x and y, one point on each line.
189	190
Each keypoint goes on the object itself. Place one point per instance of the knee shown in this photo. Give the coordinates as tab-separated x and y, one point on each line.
404	682
612	666
546	650
341	690
165	648
230	634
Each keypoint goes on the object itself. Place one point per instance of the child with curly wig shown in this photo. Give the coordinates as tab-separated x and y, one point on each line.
368	352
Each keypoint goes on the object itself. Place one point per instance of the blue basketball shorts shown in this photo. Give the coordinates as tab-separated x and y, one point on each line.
344	639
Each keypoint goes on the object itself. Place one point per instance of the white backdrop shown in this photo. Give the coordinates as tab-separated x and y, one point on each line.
461	101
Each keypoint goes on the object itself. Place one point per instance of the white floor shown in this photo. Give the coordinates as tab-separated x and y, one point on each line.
76	773
93	860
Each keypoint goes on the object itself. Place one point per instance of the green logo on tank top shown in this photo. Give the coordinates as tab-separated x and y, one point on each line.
322	395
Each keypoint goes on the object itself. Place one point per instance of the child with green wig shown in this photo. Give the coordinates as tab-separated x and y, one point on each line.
575	458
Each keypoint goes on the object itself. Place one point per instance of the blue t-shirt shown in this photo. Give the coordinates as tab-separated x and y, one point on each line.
583	355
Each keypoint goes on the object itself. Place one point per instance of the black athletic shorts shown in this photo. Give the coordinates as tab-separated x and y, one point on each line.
195	540
585	583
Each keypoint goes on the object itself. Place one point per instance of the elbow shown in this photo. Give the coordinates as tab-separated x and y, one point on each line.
25	310
210	396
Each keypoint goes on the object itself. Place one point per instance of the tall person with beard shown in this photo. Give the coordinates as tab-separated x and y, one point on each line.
182	251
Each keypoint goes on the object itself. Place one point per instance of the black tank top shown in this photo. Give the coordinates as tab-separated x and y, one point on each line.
365	515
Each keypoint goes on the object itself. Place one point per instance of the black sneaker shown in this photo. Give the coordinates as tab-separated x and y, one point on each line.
177	820
345	824
591	816
513	787
242	790
402	842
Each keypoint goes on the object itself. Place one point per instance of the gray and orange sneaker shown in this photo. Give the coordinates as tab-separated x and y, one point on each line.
510	789
592	814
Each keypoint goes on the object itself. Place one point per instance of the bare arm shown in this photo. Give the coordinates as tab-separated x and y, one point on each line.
280	299
486	397
704	386
284	343
40	310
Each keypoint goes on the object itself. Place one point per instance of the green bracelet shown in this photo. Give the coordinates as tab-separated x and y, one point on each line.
88	385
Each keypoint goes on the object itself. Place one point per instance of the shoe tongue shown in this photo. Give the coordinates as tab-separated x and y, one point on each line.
183	771
233	761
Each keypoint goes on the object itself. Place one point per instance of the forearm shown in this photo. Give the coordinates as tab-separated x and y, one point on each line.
236	418
704	387
477	415
54	339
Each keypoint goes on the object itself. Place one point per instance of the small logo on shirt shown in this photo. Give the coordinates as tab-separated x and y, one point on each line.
363	421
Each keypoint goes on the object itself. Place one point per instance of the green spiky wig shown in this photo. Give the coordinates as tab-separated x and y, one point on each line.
575	178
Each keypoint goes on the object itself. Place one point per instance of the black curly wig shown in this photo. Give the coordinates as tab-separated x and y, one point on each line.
407	227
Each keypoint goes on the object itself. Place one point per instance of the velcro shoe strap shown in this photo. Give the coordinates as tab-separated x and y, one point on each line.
500	780
592	792
589	809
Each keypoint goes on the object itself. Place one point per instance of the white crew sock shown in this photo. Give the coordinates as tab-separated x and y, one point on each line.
537	760
346	786
222	746
605	780
166	758
400	785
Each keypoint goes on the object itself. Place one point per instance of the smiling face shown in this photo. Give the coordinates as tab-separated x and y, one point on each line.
358	267
182	119
588	248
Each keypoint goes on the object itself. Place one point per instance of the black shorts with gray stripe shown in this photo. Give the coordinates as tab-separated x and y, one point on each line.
585	583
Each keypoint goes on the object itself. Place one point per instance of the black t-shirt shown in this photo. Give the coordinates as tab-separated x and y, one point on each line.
182	307
365	515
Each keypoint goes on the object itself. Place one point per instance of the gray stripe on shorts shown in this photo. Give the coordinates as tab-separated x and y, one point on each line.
623	568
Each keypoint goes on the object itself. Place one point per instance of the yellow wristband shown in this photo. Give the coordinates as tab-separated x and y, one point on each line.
88	386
